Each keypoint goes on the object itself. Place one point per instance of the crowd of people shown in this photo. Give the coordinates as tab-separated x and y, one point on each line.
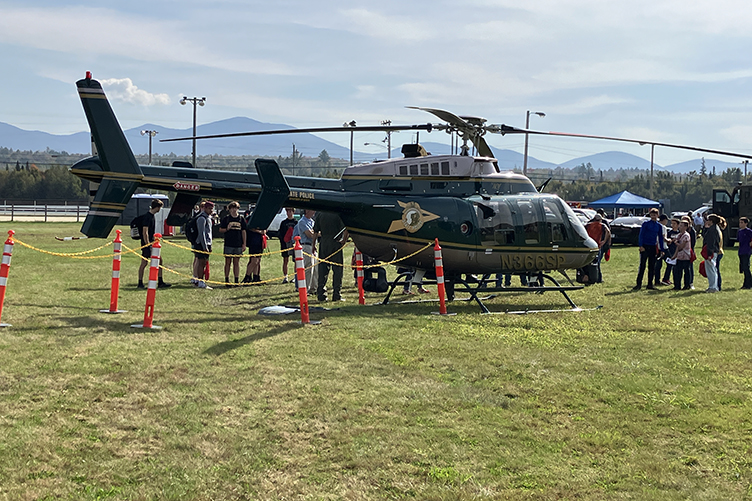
671	243
321	234
662	242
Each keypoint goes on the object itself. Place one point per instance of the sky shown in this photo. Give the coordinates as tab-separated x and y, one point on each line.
662	70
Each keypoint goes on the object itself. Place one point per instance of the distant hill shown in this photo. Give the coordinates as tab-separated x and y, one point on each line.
308	145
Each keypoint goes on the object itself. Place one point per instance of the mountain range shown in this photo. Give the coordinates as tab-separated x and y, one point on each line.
307	144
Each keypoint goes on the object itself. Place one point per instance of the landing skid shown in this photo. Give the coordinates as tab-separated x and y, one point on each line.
473	286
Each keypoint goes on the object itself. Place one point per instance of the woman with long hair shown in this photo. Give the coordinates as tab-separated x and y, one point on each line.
711	236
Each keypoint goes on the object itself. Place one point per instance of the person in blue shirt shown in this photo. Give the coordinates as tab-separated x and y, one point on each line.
304	230
651	241
744	237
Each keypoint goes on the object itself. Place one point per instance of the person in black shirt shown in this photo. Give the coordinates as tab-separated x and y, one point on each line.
148	226
286	242
233	227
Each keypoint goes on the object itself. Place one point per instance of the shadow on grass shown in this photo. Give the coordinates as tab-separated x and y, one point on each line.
234	344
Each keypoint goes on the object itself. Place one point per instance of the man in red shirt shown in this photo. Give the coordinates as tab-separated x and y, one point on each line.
602	235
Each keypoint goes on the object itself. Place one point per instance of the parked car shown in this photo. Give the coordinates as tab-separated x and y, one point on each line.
626	230
273	228
701	210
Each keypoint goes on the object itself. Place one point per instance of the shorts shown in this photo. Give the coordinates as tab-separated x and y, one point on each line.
257	248
201	255
287	248
146	252
233	250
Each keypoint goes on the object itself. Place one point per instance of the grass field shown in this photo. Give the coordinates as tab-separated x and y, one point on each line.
646	398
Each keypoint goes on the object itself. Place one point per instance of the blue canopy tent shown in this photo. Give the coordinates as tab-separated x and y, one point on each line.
624	200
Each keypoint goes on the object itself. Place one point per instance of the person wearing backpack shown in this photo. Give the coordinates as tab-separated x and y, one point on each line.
286	242
203	245
147	227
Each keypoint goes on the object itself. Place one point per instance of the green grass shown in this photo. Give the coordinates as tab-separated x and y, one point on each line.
647	398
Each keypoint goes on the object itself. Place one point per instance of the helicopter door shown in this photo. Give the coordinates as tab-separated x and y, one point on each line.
496	223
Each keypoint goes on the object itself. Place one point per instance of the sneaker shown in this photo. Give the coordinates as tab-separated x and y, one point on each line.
711	290
666	282
286	280
650	287
163	285
202	285
194	282
636	287
140	285
423	290
407	293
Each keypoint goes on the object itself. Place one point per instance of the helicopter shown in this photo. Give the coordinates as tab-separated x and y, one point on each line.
488	221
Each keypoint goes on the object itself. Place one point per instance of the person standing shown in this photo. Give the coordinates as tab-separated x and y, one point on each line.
692	243
333	236
234	229
203	246
148	228
682	254
721	225
599	232
663	219
304	230
651	241
256	239
286	241
744	238
711	237
670	236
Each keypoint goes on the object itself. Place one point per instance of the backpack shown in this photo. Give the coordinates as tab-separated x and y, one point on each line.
136	227
377	283
191	230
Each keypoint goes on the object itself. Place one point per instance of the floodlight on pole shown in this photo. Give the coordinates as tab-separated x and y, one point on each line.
195	101
151	134
527	126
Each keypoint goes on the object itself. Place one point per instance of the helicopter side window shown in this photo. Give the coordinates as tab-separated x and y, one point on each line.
529	221
496	223
413	170
423	169
403	170
444	168
557	230
435	169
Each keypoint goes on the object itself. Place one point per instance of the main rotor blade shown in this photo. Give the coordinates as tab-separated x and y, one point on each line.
483	149
367	128
446	116
506	129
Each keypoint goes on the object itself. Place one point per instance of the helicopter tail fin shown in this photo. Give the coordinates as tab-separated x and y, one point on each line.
122	175
274	193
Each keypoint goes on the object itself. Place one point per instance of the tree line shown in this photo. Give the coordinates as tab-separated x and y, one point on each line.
44	175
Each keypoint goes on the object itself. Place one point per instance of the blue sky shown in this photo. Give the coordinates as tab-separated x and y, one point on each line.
663	70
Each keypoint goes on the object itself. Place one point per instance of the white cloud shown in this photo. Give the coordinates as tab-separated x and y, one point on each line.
104	32
391	28
123	89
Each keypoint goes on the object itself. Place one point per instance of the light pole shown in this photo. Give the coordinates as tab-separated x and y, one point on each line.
196	101
388	138
151	133
350	124
527	126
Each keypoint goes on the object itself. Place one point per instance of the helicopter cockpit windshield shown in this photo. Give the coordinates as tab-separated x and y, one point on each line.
528	221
